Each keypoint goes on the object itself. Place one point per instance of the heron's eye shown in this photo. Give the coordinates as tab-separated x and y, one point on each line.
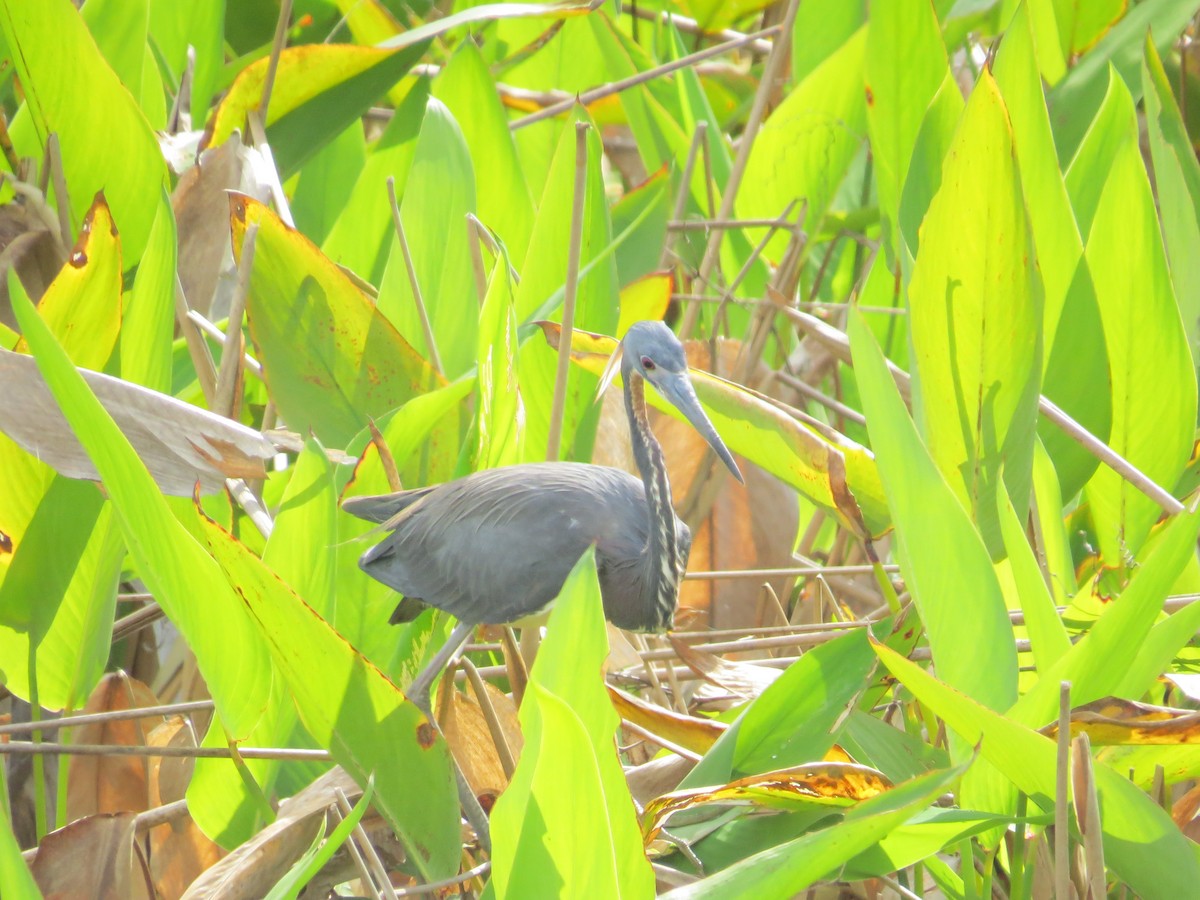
648	364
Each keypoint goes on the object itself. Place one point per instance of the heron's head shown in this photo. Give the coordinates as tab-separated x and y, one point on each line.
651	351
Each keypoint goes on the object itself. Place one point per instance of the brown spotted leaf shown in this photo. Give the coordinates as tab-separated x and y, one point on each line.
823	784
1115	721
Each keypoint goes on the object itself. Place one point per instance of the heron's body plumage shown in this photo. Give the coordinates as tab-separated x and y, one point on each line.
464	546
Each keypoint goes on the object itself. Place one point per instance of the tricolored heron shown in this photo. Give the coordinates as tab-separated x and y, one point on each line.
495	547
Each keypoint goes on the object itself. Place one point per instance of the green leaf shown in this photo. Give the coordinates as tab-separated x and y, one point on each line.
1153	376
1101	661
543	277
1075	99
505	204
351	708
439	194
944	561
1073	364
363	234
306	868
325	183
302	543
330	359
1049	639
794	721
15	878
501	410
1177	176
905	67
805	148
789	868
71	91
975	319
566	823
1141	843
149	324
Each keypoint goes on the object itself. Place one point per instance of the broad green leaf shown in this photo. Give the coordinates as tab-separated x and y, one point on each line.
794	721
1153	376
1103	660
1075	99
363	234
944	561
71	91
1074	361
82	306
1050	218
1141	843
330	359
501	410
822	26
566	823
927	834
905	66
325	183
1177	176
505	204
199	24
924	175
351	707
149	324
789	868
642	213
714	15
805	148
1106	135
228	652
543	277
301	546
1047	635
975	319
120	29
437	198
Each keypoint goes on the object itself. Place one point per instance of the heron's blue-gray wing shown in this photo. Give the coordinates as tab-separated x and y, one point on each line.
496	546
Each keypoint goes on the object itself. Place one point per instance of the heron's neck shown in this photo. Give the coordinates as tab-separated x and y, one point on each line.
660	587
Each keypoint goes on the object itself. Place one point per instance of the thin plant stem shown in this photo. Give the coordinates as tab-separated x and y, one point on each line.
571	288
414	284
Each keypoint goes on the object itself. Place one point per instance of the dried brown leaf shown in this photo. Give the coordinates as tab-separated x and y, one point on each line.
105	784
470	739
179	443
251	870
92	858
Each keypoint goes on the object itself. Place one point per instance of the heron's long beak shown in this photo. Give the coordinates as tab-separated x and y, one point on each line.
610	372
678	389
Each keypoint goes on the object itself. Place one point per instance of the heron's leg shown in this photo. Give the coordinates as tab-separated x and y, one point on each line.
418	693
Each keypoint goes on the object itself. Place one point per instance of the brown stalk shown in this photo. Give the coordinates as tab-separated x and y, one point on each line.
616	87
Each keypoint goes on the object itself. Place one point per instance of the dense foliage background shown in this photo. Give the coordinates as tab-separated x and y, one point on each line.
943	261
